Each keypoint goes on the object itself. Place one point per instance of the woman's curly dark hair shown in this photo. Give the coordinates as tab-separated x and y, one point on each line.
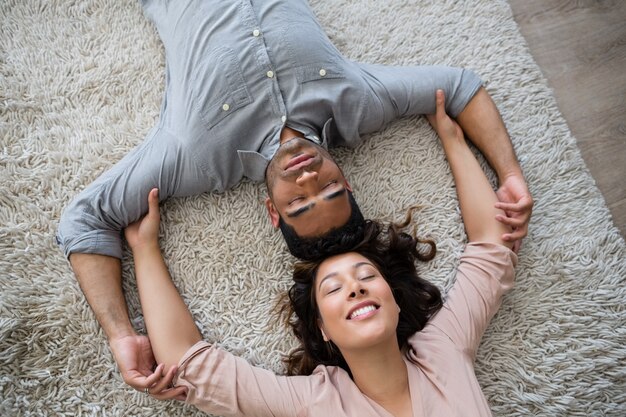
394	253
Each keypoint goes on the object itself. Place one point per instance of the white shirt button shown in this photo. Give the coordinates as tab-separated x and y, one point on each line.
225	107
270	74
323	72
284	119
256	32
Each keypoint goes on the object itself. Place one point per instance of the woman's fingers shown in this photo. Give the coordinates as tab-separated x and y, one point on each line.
178	393
441	104
440	111
153	202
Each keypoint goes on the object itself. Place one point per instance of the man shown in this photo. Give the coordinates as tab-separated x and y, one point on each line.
256	89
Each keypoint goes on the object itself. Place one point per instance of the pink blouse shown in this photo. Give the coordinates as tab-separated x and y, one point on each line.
441	370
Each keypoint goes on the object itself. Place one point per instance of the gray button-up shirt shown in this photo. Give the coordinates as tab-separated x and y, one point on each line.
237	72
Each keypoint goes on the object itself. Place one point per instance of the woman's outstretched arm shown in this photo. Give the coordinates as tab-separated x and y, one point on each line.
170	326
476	197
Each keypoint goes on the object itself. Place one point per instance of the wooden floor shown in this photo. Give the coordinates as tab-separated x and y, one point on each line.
581	49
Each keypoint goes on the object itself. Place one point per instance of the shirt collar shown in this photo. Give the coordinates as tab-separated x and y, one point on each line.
254	163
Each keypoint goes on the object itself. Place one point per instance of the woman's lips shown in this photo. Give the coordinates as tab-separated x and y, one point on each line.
298	162
363	310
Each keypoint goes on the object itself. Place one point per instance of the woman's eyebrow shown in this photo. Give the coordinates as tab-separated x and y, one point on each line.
332	274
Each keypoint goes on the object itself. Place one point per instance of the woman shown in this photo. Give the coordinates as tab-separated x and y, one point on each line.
391	359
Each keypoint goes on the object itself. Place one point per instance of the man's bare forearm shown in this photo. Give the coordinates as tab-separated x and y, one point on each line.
100	278
483	125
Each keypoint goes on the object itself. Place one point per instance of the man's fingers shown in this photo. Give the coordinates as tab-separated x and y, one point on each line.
152	379
523	203
514	222
515	235
521	207
163	384
136	380
158	385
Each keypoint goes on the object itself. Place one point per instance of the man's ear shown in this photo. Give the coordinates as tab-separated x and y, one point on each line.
348	186
321	326
271	210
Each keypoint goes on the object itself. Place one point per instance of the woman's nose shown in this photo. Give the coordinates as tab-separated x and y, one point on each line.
360	291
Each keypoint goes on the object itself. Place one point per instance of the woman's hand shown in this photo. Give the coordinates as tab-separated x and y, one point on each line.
446	128
145	231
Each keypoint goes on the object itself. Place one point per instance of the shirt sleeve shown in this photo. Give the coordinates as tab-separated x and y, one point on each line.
398	91
93	221
223	384
486	272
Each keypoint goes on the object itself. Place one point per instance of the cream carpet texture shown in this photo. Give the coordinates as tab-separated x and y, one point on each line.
80	86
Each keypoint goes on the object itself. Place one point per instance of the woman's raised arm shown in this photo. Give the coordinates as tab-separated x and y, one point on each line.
170	326
476	197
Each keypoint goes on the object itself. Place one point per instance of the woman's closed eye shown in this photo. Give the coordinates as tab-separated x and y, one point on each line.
367	277
332	290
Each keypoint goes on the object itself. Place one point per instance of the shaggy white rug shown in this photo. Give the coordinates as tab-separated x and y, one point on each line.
81	84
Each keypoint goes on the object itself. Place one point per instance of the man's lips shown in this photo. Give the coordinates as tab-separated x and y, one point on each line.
299	162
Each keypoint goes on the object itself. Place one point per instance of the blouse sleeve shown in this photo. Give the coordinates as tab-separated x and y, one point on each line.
221	383
486	272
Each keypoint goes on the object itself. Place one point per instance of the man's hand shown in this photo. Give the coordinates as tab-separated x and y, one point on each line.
517	203
135	360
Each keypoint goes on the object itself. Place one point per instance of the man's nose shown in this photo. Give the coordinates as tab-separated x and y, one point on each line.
306	177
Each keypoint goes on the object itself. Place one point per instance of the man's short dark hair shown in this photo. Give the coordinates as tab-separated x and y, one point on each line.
338	240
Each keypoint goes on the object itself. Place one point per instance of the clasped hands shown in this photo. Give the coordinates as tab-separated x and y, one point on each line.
513	195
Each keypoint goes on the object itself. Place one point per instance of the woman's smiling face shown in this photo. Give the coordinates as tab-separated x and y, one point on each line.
356	305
